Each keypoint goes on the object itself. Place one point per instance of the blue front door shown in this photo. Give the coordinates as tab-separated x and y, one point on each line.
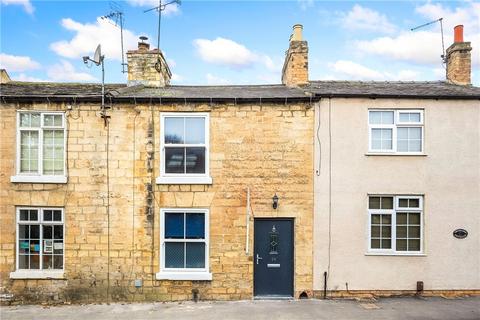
273	257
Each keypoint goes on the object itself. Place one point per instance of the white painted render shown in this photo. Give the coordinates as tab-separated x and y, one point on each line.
448	176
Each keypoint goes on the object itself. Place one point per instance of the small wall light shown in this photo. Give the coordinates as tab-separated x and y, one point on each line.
275	201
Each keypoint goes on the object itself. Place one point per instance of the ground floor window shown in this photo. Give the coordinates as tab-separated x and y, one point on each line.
184	240
395	224
40	238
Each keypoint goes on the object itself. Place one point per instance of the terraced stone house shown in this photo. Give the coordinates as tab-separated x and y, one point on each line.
301	189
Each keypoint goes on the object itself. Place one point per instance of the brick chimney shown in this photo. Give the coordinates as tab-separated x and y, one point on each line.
295	66
147	67
459	59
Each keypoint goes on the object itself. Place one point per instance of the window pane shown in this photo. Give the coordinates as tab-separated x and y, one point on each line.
376	218
401	245
34	232
57	215
28	151
375	117
23	261
414	245
174	160
415	145
23	231
375	243
375	231
23	215
195	255
48	120
401	218
47	232
47	261
401	231
30	120
414	133
402	133
53	152
387	202
33	215
414	218
174	225
47	215
24	119
174	255
34	246
58	261
58	232
382	139
57	120
402	145
58	247
413	203
387	117
35	261
195	130
195	226
386	232
374	202
386	243
414	232
386	219
195	160
403	203
174	127
404	117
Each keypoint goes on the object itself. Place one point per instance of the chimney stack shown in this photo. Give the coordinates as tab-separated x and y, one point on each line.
295	66
147	67
459	59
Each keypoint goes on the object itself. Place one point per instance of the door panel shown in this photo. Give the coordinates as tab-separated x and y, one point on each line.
273	257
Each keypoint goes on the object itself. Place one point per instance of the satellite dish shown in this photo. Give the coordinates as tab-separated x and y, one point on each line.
97	57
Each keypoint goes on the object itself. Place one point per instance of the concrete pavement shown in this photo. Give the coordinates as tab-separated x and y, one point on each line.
385	309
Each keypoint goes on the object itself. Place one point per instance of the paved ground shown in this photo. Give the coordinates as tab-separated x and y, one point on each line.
385	309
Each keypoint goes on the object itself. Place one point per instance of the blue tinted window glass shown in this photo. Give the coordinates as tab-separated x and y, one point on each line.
174	225
174	254
195	228
195	255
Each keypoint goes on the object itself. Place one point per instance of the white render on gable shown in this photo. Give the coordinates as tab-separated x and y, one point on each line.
446	175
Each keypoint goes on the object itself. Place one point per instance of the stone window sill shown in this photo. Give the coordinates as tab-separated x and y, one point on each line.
37	274
163	275
398	254
184	180
38	179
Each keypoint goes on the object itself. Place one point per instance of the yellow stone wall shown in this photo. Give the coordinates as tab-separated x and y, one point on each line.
268	148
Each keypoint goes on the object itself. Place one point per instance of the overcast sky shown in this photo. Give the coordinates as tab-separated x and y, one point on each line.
237	42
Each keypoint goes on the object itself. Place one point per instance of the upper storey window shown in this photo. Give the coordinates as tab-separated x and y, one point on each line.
184	148
41	147
396	131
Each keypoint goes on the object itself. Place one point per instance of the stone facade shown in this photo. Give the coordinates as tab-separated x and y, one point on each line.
110	240
147	67
459	63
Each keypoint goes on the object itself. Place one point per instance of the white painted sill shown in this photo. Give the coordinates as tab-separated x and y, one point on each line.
38	179
37	274
401	154
398	254
184	180
163	275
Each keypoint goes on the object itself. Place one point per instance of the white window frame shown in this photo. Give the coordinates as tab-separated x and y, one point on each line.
184	273
184	178
39	177
393	212
396	124
37	273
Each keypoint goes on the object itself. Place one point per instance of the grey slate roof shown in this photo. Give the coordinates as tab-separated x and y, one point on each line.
313	91
395	89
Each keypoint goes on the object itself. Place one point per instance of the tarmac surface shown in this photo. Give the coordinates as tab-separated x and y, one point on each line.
385	309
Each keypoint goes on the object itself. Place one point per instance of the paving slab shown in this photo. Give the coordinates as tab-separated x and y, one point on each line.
404	308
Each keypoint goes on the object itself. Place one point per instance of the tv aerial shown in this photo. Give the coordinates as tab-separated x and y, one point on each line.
161	7
440	20
116	15
98	59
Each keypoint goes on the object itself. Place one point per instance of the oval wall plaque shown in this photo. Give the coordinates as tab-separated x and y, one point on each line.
460	233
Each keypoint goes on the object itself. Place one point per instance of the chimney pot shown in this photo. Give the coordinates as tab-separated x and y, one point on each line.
458	33
297	33
142	45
